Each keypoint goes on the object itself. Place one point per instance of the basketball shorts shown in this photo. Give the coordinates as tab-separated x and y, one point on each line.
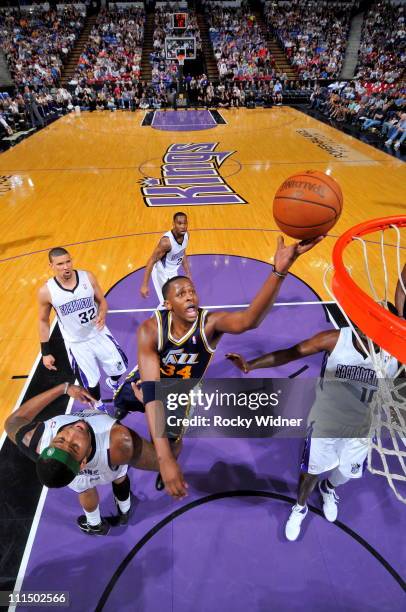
159	277
101	351
93	478
324	454
125	400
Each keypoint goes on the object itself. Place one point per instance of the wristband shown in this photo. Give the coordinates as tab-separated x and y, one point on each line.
65	390
148	391
45	349
279	274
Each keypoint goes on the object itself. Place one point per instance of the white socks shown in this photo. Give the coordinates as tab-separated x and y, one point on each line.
93	518
124	505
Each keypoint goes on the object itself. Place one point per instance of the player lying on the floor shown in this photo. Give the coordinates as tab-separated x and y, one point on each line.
81	451
347	384
180	341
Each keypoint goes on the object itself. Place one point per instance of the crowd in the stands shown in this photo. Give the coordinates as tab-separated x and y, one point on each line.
370	107
313	34
239	44
114	48
36	44
382	54
32	109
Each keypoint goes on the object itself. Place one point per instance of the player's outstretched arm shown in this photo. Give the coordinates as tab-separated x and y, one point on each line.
148	362
28	411
163	247
323	341
45	306
101	301
243	320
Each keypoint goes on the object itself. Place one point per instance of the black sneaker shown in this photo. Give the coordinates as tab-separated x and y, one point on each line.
159	483
101	529
124	517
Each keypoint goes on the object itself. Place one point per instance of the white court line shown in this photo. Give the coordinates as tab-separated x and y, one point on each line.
33	533
142	120
29	545
315	303
27	382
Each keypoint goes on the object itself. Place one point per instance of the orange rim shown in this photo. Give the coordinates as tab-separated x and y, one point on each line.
387	330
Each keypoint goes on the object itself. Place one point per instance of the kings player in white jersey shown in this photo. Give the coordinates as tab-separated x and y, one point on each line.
81	310
167	257
81	451
339	419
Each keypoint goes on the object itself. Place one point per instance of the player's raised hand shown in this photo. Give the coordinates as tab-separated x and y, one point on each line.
286	254
144	291
80	394
175	484
49	362
239	361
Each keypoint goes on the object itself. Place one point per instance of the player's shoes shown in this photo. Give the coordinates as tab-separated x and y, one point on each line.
330	501
120	413
101	529
159	483
294	522
124	517
112	384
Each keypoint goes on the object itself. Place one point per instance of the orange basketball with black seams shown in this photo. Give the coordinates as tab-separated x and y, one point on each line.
307	205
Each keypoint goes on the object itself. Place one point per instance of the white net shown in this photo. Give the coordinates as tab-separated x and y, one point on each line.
382	276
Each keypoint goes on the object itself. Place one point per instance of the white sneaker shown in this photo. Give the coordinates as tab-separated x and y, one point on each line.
388	143
294	522
330	502
396	145
112	384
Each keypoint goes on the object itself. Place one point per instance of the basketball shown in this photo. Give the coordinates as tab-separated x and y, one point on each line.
307	205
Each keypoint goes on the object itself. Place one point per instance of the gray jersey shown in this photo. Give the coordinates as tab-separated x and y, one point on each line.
346	389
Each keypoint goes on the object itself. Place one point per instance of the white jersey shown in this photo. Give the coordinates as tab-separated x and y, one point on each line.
169	264
346	388
98	469
75	308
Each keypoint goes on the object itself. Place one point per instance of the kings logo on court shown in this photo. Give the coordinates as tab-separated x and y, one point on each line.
190	176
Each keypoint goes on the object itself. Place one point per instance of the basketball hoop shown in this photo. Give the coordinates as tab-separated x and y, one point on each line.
181	58
387	436
387	330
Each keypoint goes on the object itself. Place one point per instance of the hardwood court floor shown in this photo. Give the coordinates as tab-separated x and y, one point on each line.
77	183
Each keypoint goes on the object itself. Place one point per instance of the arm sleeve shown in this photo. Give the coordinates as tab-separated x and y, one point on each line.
30	450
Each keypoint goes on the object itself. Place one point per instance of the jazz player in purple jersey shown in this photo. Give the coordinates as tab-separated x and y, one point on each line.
179	343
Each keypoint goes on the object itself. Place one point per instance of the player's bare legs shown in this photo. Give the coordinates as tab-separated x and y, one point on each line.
307	482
